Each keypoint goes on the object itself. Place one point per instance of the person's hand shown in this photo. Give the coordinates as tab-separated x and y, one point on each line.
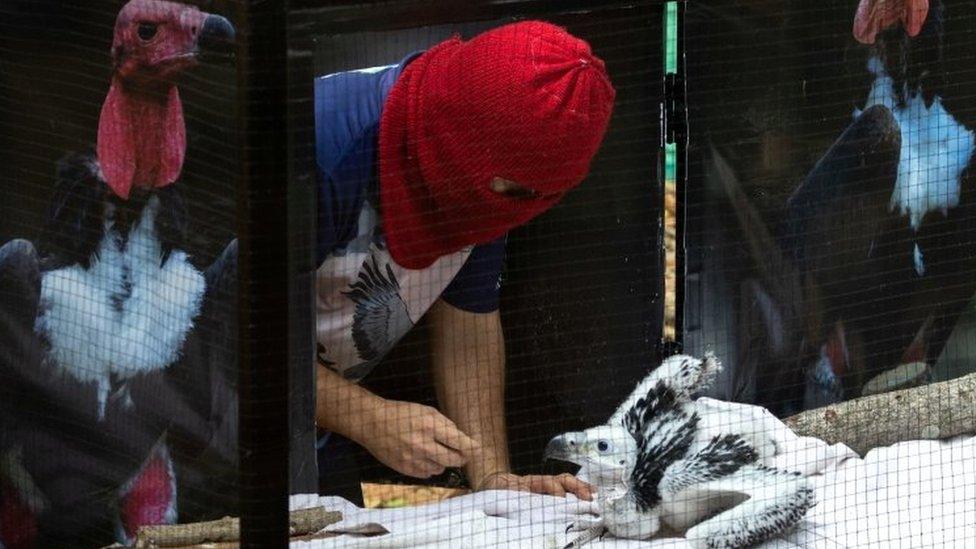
414	439
558	486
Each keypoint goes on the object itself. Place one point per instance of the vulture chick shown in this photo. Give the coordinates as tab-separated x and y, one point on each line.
661	458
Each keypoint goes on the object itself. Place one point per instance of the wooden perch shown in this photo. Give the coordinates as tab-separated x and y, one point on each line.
302	523
935	411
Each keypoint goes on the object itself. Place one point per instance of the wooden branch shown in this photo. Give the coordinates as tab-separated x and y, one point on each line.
302	523
935	411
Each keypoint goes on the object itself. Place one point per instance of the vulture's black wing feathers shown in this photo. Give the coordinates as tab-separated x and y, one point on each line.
837	214
20	288
76	216
20	285
848	192
76	219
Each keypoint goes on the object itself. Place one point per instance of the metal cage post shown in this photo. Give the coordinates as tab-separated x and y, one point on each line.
264	274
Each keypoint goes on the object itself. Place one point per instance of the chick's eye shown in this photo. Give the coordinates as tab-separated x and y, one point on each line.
147	30
602	446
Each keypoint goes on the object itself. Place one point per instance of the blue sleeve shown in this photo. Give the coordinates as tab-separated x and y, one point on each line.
342	192
347	109
345	103
478	284
348	106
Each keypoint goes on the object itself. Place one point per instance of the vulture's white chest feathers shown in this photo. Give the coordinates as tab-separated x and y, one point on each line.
124	315
935	150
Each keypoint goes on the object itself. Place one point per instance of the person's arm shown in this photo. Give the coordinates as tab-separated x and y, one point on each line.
468	363
413	439
468	366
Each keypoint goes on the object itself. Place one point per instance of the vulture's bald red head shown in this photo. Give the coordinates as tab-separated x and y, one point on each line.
875	16
141	133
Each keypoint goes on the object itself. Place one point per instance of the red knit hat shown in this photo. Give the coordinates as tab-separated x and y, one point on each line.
526	102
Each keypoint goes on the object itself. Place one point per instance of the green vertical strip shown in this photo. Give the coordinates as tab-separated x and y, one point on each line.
670	162
669	331
670	67
671	38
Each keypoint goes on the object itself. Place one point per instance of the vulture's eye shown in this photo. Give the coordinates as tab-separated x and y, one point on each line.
147	30
603	446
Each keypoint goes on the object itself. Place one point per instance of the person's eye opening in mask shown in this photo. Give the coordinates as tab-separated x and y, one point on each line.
512	189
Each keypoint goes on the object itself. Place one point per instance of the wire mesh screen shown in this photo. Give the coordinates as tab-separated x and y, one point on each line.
829	245
558	274
118	359
829	226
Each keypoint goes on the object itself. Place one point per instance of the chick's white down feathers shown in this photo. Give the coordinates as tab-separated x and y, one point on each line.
662	459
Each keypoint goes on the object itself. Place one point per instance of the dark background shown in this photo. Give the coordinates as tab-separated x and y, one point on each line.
772	84
581	303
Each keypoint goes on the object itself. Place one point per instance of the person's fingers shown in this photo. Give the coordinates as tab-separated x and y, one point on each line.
442	455
422	468
548	485
504	481
448	434
557	486
572	484
410	468
536	483
432	468
414	460
518	483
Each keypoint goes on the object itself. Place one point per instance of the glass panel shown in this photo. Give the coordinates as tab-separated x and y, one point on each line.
830	237
117	273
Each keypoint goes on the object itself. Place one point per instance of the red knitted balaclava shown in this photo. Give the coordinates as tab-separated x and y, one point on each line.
526	102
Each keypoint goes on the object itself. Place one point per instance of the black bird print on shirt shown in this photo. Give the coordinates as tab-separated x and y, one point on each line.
381	316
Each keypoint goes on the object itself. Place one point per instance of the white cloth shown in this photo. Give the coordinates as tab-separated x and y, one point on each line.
911	495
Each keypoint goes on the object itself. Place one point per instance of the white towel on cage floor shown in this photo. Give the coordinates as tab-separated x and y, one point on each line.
912	494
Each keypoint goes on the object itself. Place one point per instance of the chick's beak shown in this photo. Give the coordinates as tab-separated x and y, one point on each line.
564	448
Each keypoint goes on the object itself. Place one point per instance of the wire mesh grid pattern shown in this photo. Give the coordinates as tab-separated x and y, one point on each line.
118	300
534	274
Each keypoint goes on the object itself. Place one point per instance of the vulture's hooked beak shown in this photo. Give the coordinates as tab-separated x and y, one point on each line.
566	448
217	37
